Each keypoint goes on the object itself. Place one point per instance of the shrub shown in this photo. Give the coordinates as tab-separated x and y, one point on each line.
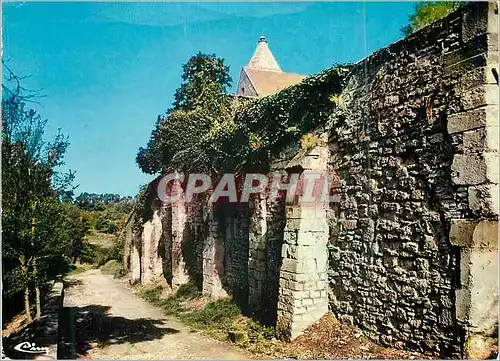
112	267
152	295
188	291
257	332
116	251
88	253
216	314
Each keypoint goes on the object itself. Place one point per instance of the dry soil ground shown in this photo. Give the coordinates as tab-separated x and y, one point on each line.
106	320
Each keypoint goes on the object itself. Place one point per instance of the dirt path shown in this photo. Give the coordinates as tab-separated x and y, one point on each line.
106	320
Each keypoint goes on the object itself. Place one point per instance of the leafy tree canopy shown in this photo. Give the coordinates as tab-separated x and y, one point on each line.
199	107
427	12
202	75
37	234
94	201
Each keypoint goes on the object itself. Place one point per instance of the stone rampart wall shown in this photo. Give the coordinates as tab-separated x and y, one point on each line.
409	253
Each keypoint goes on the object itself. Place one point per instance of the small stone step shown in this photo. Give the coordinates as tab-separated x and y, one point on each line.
237	336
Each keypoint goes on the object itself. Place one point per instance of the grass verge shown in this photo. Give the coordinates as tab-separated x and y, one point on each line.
221	319
80	268
327	339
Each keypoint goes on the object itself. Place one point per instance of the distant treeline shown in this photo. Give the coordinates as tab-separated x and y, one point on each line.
94	201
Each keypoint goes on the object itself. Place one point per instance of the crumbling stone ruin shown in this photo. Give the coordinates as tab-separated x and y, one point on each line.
410	253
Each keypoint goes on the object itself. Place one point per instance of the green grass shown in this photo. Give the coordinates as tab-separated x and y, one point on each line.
217	318
218	314
188	291
80	269
173	304
258	332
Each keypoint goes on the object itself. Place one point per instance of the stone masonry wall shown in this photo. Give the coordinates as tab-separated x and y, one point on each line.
303	287
180	273
213	254
409	251
409	146
473	126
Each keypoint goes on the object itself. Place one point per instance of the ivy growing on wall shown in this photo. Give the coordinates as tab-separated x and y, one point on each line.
229	134
271	123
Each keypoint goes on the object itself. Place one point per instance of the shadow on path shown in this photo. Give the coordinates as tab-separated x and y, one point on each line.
74	282
29	333
85	328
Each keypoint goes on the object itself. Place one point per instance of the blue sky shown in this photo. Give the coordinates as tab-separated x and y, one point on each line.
108	69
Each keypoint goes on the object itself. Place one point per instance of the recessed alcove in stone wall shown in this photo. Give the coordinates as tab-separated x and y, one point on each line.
267	222
195	232
275	219
234	226
165	243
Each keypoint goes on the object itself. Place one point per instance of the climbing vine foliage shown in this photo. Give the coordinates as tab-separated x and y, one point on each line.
220	133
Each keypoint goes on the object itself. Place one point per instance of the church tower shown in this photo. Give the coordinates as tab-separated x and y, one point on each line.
263	58
263	76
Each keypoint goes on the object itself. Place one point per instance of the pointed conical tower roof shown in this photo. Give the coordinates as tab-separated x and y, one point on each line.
263	76
263	59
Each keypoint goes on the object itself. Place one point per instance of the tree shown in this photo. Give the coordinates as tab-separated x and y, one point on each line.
35	237
202	74
98	202
427	12
199	107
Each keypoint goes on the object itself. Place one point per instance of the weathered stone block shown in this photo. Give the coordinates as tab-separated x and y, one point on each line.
492	135
469	169
471	119
292	212
307	266
465	261
290	265
484	290
480	19
462	304
290	236
484	199
467	65
477	76
480	96
293	224
474	140
486	235
312	211
316	158
492	167
289	251
461	232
